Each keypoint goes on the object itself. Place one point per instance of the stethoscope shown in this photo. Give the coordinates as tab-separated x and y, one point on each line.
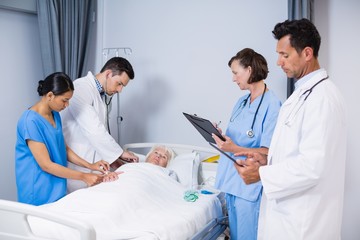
107	101
250	133
309	91
299	104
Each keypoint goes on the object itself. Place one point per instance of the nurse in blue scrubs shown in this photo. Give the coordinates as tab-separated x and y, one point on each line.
250	128
41	154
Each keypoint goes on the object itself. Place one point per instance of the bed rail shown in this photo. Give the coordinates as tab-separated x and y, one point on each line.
14	222
212	230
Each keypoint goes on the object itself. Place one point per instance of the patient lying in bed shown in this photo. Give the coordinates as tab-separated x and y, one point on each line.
144	203
158	155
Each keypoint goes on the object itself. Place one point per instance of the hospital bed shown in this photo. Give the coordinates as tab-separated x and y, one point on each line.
141	204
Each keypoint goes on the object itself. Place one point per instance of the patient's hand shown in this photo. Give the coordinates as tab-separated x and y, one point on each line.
112	176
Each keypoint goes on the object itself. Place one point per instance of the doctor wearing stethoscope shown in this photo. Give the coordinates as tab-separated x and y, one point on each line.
303	181
85	120
250	127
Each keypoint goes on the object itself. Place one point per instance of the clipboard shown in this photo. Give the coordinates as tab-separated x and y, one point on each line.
206	129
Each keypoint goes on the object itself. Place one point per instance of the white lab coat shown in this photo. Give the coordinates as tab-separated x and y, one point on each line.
304	181
84	126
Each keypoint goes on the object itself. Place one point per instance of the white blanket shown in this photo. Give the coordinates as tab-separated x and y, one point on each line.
144	203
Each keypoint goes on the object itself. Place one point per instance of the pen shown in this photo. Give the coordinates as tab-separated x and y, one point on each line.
217	125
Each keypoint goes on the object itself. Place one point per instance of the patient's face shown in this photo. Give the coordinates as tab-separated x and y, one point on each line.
158	157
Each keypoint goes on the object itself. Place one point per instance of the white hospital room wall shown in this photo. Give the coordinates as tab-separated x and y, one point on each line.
180	55
21	69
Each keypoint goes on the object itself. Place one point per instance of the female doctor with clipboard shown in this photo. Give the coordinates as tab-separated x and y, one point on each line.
250	128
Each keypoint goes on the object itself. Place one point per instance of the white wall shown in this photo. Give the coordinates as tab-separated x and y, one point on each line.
337	22
21	70
180	55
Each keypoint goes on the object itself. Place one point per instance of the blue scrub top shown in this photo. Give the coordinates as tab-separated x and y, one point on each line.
228	179
34	186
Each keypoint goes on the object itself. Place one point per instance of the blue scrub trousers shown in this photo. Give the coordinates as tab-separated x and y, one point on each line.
243	217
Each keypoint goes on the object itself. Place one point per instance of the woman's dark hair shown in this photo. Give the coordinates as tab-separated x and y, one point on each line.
57	83
118	65
303	33
248	57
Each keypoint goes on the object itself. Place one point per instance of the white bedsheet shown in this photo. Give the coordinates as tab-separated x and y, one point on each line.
144	203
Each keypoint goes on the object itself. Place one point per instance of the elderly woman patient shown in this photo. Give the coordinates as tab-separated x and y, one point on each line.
159	155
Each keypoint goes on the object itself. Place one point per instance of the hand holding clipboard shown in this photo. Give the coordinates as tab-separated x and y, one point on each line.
206	129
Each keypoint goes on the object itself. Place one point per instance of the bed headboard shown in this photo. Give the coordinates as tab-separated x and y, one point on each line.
177	148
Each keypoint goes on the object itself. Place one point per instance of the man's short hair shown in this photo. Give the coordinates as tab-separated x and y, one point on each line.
303	33
118	65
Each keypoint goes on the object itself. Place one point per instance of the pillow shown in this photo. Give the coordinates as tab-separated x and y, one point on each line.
186	166
142	157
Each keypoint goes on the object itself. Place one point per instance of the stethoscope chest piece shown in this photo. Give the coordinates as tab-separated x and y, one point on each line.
250	133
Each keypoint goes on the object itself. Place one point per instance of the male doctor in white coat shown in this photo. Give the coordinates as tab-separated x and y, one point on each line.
303	181
84	121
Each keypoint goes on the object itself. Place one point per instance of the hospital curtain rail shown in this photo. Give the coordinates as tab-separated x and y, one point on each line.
65	28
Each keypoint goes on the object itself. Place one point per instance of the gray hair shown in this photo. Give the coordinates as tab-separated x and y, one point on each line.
169	152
